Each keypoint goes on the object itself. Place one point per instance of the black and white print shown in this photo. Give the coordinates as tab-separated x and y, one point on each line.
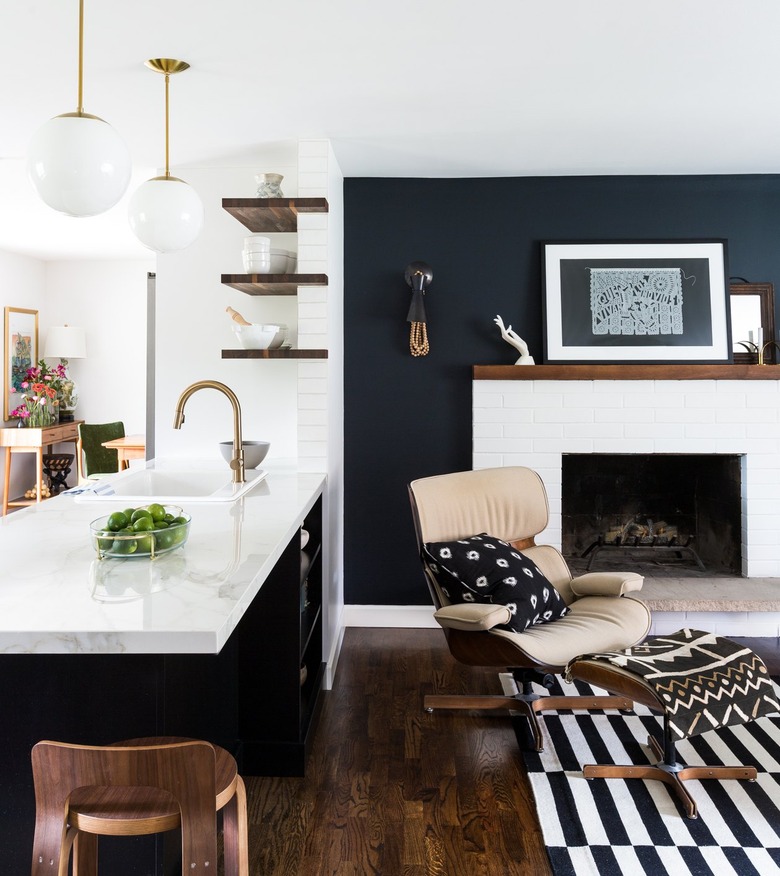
486	569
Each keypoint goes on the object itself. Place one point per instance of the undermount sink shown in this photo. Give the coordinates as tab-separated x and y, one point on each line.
146	485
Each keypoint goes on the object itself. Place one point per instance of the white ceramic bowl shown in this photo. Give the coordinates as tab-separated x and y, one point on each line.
256	336
279	261
257	262
254	451
279	338
257	241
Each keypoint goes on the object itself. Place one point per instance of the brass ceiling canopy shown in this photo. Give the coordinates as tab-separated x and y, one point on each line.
167	65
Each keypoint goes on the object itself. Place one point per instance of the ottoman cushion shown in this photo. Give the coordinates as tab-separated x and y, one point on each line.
701	681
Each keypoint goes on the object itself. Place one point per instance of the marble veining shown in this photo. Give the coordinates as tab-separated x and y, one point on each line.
56	597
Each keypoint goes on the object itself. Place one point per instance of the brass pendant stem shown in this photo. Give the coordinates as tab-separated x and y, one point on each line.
167	123
167	66
80	105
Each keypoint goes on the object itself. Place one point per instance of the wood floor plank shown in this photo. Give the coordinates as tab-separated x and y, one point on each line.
391	790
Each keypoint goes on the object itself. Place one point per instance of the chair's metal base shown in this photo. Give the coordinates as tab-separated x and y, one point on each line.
526	702
669	770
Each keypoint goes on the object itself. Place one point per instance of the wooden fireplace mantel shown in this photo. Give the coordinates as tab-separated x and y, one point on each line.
626	372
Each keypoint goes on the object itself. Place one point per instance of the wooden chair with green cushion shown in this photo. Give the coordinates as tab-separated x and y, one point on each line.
94	460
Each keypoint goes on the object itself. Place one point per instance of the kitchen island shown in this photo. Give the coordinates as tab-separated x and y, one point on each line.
220	639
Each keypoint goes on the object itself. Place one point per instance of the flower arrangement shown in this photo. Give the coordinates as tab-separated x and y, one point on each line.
42	389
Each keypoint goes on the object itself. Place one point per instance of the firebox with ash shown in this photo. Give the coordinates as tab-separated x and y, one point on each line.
644	533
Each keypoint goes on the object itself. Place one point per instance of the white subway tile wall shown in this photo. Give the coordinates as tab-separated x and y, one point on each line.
534	422
313	176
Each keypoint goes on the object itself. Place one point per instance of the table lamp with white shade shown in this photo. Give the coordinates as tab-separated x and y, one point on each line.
66	342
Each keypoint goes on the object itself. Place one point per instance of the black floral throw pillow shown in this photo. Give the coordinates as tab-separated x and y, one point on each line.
485	569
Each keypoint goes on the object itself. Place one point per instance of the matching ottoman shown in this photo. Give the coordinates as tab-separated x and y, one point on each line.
699	682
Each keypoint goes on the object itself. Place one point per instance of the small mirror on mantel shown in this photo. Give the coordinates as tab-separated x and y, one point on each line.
753	323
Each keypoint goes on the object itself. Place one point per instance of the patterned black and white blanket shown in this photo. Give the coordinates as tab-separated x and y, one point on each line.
703	680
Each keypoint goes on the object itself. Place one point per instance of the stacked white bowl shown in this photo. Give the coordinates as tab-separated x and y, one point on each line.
279	259
257	254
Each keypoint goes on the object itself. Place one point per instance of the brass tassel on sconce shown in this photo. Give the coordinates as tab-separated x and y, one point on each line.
418	276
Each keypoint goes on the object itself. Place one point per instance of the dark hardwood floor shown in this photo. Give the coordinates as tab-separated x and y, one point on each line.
393	791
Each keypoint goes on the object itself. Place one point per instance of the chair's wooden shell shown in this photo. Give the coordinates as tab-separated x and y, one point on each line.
137	787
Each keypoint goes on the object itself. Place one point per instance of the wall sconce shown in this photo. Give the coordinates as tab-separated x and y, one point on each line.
418	276
166	213
77	162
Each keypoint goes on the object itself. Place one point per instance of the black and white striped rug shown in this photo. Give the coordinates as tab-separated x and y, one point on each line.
611	827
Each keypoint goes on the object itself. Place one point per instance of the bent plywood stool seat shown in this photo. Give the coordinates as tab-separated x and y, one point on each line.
699	682
137	787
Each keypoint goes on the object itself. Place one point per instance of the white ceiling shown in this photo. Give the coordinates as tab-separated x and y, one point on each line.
436	88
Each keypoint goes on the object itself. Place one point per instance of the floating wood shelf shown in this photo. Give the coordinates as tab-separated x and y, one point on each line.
626	372
272	214
273	284
275	354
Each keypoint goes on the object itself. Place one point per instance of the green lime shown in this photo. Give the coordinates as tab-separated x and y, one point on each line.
163	540
144	544
157	511
128	512
179	521
116	521
143	524
178	534
161	524
104	543
139	513
124	546
168	518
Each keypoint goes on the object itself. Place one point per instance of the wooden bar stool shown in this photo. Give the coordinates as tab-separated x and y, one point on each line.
137	787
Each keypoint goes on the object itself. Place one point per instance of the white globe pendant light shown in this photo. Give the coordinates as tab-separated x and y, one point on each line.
165	213
78	163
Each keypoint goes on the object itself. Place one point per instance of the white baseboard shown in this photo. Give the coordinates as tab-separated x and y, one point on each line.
406	616
754	623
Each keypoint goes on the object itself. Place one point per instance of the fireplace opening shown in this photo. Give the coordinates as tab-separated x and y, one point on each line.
674	514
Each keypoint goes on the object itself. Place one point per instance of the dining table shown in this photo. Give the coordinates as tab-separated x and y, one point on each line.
127	448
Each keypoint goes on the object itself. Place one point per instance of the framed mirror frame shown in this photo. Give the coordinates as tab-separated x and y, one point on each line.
764	309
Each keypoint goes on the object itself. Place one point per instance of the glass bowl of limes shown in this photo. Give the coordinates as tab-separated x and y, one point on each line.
147	531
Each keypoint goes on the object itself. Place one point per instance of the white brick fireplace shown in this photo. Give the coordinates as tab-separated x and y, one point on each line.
533	415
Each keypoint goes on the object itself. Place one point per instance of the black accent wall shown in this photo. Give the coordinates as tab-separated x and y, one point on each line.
408	417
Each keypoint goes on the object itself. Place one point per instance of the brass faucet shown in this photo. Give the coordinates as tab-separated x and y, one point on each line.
237	460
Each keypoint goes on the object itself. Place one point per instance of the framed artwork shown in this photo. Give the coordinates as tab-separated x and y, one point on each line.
647	302
21	353
753	322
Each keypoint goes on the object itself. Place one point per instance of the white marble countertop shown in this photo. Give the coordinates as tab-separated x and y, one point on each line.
56	597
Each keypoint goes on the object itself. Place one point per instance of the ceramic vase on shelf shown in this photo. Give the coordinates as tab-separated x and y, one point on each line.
269	185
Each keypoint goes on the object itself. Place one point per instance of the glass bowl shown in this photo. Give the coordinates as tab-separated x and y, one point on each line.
123	543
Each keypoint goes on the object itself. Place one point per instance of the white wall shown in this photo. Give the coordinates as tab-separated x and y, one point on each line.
193	329
108	300
23	282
